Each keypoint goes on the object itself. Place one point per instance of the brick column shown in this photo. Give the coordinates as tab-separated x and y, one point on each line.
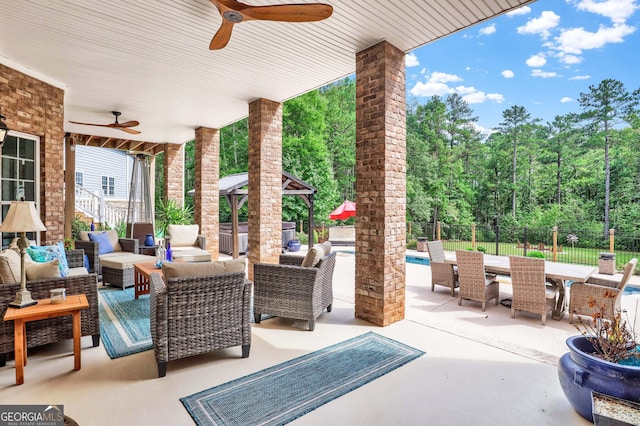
380	184
207	198
265	182
174	173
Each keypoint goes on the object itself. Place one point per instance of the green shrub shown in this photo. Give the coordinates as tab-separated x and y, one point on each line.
170	213
537	254
412	244
77	226
482	249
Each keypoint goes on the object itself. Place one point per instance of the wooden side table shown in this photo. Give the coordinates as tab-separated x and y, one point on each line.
43	310
142	272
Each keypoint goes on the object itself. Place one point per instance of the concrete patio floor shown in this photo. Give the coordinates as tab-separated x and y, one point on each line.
481	368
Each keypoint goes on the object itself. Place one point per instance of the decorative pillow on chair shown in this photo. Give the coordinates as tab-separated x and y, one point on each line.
183	235
42	270
42	254
313	256
104	242
9	267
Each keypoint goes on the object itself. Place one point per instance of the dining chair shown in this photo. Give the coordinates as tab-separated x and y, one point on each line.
530	290
475	284
588	298
444	274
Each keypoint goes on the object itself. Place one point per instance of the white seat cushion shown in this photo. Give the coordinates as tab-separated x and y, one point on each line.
124	261
190	254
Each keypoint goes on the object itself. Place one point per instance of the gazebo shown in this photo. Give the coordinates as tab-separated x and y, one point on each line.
233	189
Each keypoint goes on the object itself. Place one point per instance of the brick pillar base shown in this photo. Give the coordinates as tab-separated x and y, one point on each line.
206	198
265	182
380	184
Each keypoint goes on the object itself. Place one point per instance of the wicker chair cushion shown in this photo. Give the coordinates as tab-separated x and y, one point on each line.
190	254
327	247
201	269
111	233
123	260
49	253
313	256
183	235
9	267
43	270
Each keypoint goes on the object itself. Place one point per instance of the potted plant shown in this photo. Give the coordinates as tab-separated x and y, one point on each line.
604	358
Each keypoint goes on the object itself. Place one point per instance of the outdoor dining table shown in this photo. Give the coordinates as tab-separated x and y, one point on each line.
558	273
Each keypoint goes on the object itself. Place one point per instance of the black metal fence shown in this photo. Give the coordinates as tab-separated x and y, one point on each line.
571	245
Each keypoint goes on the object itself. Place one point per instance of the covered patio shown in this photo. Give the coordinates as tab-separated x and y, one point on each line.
64	62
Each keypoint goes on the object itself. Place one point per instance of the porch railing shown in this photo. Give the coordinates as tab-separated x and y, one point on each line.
97	208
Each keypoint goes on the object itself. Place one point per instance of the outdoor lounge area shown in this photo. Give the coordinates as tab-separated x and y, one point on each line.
480	357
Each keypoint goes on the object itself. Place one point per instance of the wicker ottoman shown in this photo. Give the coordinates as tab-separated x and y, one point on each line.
117	269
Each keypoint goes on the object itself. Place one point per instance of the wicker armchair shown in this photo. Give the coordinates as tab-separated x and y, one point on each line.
293	291
530	291
196	315
603	292
444	274
54	329
475	284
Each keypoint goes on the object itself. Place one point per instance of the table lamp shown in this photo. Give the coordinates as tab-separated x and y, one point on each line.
22	217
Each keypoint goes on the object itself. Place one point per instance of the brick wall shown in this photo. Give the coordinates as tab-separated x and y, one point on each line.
207	199
36	108
380	184
265	182
174	173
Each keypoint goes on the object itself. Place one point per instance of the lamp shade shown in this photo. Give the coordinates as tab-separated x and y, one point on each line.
22	217
3	129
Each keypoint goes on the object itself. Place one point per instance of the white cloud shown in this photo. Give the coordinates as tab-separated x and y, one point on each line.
542	25
575	40
569	59
543	74
519	11
488	30
616	10
565	100
507	74
438	84
536	61
411	60
467	69
580	77
423	70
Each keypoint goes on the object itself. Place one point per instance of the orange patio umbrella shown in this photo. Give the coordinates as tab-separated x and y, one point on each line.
344	211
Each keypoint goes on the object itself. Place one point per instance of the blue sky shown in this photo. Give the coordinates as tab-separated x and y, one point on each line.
541	56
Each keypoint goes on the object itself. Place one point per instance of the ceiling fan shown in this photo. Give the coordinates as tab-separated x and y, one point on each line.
125	127
234	12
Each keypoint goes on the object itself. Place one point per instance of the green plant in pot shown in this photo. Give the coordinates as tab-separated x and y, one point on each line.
604	359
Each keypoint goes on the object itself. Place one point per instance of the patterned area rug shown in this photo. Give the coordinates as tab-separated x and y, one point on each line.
124	322
282	393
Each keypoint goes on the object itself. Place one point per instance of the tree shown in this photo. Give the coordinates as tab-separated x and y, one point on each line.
604	107
515	118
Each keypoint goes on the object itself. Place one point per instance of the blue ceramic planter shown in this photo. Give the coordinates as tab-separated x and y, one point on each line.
580	373
149	240
293	245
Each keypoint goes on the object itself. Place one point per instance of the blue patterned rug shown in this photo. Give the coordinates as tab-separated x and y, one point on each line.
124	322
284	392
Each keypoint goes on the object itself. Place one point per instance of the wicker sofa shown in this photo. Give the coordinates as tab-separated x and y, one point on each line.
54	329
116	267
216	316
293	291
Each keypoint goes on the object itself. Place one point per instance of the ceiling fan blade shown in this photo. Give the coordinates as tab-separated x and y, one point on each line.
90	124
128	130
222	37
289	12
132	123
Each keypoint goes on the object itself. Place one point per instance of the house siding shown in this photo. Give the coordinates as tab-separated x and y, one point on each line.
113	163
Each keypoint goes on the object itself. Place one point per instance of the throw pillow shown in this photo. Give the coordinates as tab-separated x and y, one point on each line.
327	247
48	253
313	256
201	269
43	271
9	267
104	243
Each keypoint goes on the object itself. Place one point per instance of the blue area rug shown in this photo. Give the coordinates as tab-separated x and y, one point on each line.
282	393
124	322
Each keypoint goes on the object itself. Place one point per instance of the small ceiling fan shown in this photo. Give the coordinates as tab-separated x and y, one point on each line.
125	127
234	12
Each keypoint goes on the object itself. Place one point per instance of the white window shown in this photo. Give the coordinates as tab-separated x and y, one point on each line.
108	185
79	179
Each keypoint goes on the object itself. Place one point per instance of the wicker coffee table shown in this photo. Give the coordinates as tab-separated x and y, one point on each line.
142	271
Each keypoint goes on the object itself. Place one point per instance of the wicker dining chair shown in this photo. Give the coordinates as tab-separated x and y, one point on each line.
475	284
588	298
444	274
530	290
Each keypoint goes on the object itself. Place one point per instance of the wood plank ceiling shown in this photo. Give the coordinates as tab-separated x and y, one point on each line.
150	59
